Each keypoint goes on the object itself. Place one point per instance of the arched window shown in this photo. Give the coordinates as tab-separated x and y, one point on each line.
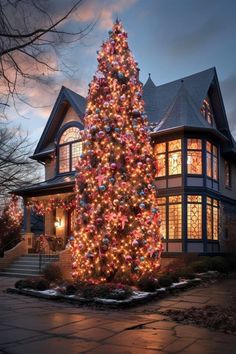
70	148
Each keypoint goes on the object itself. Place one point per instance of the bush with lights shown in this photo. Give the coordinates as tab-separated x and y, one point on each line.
116	198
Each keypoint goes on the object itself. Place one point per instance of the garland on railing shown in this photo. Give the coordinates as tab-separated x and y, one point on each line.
42	207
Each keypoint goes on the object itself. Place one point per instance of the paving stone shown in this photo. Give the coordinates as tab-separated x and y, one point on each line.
178	345
196	299
121	349
193	332
161	325
209	347
145	338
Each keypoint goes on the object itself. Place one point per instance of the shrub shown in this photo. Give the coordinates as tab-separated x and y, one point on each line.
106	291
24	284
147	283
32	283
41	284
71	289
220	264
52	272
123	278
165	281
201	266
186	274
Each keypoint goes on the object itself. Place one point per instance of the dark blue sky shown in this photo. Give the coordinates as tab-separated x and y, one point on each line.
169	38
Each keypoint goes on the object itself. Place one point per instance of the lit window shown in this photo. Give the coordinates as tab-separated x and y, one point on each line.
212	219
206	111
194	219
162	209
174	157
194	157
175	217
227	174
160	151
172	153
70	148
212	161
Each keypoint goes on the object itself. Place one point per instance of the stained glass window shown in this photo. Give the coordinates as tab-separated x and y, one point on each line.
175	217
206	111
169	157
174	157
212	161
163	211
212	219
194	216
70	148
227	174
194	156
69	135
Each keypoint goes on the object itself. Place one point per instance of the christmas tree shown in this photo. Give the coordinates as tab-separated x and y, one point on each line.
117	214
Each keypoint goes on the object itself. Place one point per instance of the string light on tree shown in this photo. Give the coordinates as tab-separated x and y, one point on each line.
116	198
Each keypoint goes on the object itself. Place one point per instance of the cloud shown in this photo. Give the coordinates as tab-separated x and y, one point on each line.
104	10
228	88
196	39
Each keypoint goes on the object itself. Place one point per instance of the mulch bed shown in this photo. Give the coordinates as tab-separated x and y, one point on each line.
212	317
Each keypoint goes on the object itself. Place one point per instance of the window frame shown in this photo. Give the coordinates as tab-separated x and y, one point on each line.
201	220
70	144
167	153
214	204
194	150
213	157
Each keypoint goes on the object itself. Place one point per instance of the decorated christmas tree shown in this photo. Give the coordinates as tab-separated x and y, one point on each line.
116	198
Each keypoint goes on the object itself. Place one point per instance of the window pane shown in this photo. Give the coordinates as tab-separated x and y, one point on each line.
215	223
215	168
194	198
174	145
194	221
214	150
209	222
161	165
161	200
194	162
162	209
175	163
227	174
175	199
64	161
208	146
160	148
175	221
209	165
70	134
76	152
194	144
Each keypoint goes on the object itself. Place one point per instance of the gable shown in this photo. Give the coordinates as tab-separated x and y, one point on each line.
68	107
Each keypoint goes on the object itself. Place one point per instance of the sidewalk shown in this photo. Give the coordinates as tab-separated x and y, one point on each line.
41	327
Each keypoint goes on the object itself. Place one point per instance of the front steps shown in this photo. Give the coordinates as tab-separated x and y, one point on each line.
28	265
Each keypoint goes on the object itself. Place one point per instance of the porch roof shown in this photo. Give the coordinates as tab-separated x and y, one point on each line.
56	185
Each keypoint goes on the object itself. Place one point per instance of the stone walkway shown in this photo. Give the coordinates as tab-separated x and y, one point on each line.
29	325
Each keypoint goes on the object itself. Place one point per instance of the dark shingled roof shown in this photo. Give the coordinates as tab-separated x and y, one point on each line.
182	113
159	98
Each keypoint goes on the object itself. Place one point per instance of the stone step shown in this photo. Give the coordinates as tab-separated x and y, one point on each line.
18	275
23	271
29	264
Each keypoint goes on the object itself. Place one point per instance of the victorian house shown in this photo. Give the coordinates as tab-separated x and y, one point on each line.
196	157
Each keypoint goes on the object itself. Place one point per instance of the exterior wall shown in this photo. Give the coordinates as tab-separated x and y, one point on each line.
49	223
228	227
228	192
50	168
10	256
61	231
70	116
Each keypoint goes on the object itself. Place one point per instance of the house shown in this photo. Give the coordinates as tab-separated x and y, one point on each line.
196	156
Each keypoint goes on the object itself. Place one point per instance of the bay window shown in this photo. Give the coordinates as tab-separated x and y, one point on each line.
163	213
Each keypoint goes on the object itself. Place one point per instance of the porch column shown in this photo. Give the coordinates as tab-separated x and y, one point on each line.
27	225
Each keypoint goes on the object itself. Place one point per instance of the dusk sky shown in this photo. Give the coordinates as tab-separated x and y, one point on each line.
169	38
